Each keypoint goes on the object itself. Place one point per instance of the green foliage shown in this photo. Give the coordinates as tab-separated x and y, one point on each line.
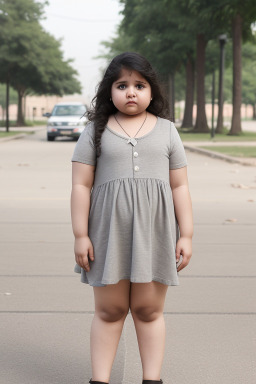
18	18
249	72
30	57
165	32
13	96
154	30
180	85
120	43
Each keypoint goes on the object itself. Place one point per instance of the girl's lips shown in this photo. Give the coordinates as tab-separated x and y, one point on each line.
131	102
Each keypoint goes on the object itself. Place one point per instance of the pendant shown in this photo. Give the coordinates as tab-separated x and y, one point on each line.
132	141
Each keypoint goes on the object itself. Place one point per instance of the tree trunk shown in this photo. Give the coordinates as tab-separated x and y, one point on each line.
236	128
7	103
24	107
20	116
171	91
201	120
219	127
189	102
254	111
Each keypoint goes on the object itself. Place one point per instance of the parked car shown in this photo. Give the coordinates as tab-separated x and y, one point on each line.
66	119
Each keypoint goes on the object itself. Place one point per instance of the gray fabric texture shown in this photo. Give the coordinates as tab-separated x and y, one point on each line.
132	223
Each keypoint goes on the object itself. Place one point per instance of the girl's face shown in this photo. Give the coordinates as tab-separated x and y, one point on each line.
131	93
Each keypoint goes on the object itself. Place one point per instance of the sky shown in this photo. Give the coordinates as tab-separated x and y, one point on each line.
82	25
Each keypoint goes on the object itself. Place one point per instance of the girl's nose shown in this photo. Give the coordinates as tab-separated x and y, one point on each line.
131	92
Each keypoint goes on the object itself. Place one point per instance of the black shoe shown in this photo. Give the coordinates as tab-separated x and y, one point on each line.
152	382
97	382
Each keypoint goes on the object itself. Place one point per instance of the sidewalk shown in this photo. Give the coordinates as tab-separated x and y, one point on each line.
46	312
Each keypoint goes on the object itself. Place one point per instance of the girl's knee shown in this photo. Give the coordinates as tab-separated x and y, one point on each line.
112	314
146	314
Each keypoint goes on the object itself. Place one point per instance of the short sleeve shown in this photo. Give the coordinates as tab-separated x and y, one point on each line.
177	156
85	151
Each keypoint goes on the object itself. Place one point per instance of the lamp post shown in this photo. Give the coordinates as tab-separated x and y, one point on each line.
222	40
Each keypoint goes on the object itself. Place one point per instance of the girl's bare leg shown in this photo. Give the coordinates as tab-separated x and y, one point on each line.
147	304
111	308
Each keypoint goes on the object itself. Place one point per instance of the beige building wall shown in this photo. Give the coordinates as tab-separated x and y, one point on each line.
246	111
36	106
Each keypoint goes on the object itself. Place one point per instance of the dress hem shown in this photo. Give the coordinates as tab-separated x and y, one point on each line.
103	283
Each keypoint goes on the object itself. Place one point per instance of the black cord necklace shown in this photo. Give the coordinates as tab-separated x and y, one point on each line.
132	140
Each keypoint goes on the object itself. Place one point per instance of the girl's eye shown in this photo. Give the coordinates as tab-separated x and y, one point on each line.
140	86
121	86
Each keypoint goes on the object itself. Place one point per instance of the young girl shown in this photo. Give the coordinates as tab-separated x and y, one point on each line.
131	212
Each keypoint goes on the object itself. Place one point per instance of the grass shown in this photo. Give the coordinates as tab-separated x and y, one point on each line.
12	133
234	151
11	123
28	123
245	136
34	123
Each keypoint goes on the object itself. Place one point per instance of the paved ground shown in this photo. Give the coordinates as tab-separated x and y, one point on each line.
45	312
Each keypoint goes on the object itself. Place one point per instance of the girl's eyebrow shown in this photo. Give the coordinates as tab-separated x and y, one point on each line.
124	81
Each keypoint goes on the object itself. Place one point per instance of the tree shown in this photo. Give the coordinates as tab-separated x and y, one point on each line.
204	26
166	32
143	23
46	71
189	100
237	74
151	28
31	59
249	74
242	14
12	99
13	15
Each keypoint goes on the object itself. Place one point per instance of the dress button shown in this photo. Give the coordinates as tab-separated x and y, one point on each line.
135	154
136	168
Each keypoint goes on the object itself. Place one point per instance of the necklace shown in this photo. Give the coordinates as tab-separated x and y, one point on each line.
132	140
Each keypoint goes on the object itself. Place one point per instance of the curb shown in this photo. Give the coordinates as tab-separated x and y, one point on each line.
220	156
14	137
26	131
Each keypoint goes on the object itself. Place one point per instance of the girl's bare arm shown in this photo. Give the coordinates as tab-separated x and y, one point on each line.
82	182
183	211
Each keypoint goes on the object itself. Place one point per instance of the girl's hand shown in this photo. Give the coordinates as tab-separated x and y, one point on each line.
184	248
83	247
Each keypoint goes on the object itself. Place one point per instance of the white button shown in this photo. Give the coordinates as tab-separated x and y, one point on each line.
136	168
135	154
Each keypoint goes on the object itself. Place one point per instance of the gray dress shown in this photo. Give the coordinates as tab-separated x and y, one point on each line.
132	223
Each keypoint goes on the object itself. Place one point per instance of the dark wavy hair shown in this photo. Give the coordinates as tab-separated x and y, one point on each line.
102	106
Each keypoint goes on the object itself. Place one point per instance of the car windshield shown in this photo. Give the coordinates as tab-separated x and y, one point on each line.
69	110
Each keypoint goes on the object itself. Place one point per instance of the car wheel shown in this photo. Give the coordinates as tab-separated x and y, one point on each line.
50	138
